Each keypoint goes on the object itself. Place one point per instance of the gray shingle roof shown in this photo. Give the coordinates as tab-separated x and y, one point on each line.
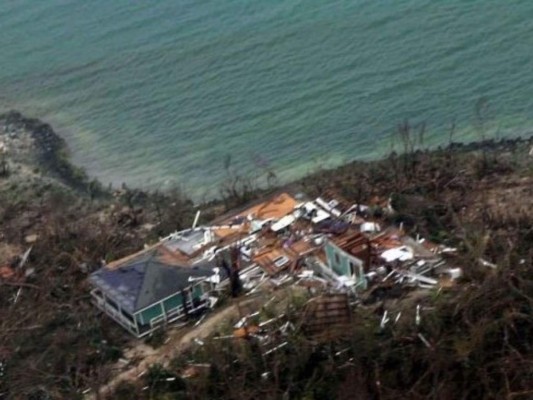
146	279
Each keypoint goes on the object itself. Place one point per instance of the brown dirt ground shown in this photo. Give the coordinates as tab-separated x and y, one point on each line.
177	341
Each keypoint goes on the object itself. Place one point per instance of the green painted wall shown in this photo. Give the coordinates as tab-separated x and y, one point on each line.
197	291
173	302
169	304
330	255
339	262
152	312
341	267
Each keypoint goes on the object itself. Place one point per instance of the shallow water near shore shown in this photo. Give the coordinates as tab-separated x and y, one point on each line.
158	94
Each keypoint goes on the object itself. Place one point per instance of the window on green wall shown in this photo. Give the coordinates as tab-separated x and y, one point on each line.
150	313
173	302
197	291
354	269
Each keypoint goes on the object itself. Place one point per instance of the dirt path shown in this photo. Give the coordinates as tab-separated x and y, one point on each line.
178	341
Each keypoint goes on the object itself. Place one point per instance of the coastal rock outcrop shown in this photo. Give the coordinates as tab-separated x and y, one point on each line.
31	145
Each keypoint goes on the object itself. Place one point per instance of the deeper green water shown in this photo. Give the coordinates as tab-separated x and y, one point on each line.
159	93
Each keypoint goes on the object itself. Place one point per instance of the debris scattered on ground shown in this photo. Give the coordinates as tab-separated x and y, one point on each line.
327	246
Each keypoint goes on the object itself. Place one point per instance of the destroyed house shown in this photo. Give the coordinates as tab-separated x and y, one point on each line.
348	256
151	288
278	257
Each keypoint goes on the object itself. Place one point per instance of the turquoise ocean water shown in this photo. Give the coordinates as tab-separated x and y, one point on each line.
158	93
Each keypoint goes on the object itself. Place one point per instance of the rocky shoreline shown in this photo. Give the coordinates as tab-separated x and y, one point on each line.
32	143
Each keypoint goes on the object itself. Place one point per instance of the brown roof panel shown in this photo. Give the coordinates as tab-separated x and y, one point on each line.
271	260
159	251
327	316
277	207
